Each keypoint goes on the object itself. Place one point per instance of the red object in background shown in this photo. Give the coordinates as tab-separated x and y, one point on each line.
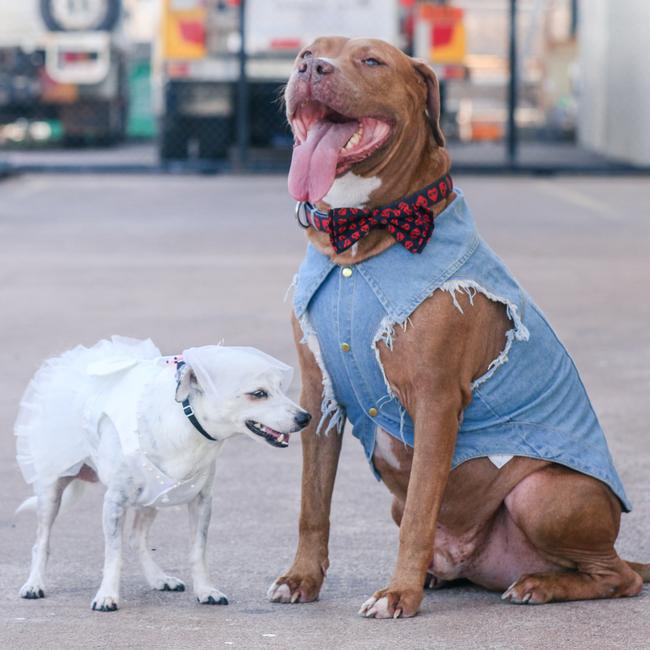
285	43
454	72
192	31
442	33
177	69
76	57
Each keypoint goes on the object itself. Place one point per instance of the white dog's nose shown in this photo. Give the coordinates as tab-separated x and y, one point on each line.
303	419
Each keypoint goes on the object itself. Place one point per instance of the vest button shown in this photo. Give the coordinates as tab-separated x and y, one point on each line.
346	272
372	412
345	347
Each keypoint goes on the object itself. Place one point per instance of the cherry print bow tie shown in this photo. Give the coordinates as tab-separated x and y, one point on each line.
408	220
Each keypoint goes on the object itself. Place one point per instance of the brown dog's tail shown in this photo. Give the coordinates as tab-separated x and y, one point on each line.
642	569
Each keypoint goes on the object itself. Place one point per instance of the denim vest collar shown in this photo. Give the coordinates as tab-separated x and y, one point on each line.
454	240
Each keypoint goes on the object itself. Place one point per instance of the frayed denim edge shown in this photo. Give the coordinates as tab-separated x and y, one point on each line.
386	332
330	408
518	333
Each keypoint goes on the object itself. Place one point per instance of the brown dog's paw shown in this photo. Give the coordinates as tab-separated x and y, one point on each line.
529	590
392	603
296	587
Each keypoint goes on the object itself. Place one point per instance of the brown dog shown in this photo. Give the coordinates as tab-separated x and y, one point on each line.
365	117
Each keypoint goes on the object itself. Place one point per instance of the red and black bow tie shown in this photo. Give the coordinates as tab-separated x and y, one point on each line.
408	220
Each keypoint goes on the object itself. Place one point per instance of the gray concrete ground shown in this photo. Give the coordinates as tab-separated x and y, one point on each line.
190	261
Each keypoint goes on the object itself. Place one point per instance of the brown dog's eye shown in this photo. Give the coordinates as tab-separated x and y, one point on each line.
372	62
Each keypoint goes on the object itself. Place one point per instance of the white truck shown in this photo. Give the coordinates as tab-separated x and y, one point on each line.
66	60
197	65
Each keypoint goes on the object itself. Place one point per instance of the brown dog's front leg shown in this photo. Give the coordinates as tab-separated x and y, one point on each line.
320	457
436	426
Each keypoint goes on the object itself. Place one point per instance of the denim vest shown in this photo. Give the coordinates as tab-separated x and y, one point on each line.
530	402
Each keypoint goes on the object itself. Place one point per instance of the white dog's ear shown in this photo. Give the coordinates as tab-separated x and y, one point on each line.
185	382
425	71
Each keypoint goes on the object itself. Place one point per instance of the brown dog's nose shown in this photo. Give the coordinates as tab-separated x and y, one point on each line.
315	67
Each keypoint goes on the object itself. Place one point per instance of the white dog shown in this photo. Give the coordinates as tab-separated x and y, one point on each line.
112	412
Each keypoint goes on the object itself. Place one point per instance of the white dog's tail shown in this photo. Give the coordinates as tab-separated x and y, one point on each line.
71	494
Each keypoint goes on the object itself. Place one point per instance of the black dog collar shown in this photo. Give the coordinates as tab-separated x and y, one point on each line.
187	407
189	412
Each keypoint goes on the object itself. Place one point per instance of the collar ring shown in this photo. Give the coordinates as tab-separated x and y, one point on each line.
301	211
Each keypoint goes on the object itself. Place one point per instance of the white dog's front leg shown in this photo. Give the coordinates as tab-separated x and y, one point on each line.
107	598
200	509
155	576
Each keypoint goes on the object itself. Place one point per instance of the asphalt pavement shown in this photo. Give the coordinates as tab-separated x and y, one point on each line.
196	260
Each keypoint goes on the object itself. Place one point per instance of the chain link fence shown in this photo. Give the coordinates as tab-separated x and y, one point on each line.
157	84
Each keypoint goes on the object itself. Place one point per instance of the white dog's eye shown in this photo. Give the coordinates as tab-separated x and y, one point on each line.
259	394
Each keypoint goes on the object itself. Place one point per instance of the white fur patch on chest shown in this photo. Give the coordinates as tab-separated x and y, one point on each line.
384	448
351	191
500	459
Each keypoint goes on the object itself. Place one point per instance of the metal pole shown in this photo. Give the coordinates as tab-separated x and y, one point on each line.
243	121
511	140
574	17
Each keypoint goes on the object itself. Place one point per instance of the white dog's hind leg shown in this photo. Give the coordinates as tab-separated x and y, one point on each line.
107	598
155	576
200	509
48	501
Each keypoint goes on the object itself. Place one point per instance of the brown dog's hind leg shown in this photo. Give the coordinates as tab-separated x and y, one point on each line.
572	520
642	569
587	583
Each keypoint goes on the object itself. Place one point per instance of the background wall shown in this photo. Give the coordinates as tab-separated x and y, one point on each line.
614	92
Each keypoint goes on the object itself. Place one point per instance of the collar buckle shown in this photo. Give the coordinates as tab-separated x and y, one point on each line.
189	413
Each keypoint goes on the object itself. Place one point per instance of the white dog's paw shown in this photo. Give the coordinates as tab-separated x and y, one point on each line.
105	603
168	583
211	596
32	591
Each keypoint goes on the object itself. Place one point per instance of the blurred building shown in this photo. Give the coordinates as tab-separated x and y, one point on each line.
614	83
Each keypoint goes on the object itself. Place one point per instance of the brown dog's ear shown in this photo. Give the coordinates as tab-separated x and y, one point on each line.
433	98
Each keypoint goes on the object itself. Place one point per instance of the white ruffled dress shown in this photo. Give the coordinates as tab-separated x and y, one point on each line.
57	427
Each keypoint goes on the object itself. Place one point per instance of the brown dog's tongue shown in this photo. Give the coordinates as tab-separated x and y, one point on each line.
313	163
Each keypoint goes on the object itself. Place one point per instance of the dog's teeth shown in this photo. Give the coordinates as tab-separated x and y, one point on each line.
281	437
354	140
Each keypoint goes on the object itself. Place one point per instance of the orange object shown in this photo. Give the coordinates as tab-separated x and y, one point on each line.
53	92
486	131
183	30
